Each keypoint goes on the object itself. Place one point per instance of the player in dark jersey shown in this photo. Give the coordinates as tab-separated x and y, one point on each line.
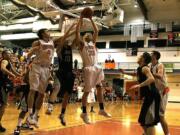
149	114
65	73
23	104
6	71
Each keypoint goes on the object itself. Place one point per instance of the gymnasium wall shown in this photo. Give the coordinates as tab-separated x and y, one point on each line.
119	55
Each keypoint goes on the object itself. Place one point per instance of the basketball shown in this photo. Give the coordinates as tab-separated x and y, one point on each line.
87	12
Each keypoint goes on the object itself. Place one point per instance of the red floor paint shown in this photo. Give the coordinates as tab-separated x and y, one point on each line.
105	128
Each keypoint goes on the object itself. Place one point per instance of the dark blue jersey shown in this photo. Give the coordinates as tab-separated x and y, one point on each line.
65	59
4	76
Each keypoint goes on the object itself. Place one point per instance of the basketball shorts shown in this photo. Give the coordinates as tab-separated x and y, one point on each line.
66	79
163	103
38	78
3	96
161	86
93	75
149	114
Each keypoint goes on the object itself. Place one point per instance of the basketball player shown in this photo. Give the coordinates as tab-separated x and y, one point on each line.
159	74
39	73
6	71
23	104
149	115
53	95
65	73
93	74
57	77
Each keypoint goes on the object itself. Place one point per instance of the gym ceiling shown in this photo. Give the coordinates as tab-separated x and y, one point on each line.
25	12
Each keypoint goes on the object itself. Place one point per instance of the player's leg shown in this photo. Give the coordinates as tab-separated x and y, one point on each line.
88	76
68	87
53	95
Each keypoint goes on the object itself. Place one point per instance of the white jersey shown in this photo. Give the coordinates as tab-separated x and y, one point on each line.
89	54
45	54
161	84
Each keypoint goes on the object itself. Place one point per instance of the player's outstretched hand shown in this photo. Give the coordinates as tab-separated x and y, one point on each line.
137	86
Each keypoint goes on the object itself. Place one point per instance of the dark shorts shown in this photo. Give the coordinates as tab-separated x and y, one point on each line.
3	95
149	114
21	88
66	80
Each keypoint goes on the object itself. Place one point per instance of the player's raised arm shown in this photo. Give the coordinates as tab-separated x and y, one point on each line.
95	29
78	37
69	32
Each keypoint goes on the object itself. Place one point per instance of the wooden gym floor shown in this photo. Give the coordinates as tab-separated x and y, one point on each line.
123	121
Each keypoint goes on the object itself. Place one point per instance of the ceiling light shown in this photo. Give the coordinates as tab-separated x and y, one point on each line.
81	8
48	2
57	16
8	4
135	5
36	17
16	27
84	1
19	36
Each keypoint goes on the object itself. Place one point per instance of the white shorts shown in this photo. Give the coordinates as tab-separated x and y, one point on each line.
93	75
161	86
38	78
163	103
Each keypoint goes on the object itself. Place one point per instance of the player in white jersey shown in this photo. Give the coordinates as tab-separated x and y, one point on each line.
93	74
159	74
43	49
